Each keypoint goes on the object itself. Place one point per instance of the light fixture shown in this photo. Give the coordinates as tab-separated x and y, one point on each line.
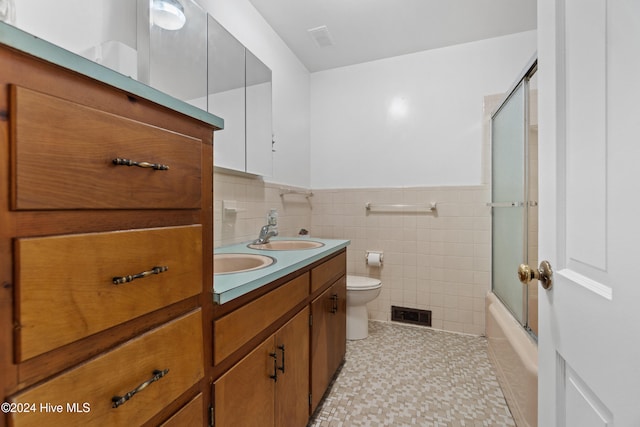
168	14
399	107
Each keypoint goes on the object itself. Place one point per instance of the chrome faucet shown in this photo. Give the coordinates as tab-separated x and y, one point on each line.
266	232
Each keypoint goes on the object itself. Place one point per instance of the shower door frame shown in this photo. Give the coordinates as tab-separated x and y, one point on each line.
523	80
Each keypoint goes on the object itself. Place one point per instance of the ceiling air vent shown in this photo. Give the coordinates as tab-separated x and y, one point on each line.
321	36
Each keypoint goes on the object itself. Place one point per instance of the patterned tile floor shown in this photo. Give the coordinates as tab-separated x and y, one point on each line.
404	375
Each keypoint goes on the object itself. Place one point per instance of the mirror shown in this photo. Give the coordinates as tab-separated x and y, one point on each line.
106	34
226	76
199	62
258	120
175	61
119	34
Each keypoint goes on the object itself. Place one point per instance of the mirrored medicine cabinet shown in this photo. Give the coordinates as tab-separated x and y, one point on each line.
240	92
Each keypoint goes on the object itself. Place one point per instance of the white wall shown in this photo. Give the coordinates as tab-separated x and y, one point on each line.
291	98
411	120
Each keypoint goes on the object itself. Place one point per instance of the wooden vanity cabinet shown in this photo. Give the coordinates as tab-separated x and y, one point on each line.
277	352
270	386
106	272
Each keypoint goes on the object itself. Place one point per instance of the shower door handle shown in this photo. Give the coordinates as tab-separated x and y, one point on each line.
544	274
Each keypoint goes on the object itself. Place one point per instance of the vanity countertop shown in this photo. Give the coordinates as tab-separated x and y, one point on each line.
226	287
20	40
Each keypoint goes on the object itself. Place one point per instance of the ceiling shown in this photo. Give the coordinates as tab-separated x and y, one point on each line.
366	30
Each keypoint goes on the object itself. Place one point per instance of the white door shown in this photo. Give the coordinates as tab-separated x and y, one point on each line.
589	156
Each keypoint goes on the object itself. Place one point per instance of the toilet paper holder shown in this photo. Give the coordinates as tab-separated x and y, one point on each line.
368	253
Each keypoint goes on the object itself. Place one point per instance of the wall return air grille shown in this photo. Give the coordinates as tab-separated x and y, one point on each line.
411	315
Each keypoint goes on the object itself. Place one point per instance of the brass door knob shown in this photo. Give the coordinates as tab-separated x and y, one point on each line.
544	274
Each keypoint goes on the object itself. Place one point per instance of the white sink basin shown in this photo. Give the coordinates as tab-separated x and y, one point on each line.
286	245
237	263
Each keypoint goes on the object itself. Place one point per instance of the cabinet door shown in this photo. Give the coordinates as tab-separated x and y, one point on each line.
328	337
190	414
321	308
244	396
292	387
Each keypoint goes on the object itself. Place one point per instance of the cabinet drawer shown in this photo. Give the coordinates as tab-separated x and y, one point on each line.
328	272
63	156
65	287
238	327
176	347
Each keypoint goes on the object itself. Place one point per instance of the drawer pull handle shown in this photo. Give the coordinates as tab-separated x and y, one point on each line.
126	162
127	279
120	400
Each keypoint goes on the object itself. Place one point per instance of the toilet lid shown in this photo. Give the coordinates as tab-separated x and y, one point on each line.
362	283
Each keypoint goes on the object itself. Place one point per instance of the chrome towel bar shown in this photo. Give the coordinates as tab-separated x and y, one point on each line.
401	207
285	191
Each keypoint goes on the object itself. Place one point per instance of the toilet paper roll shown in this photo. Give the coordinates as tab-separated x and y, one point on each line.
374	259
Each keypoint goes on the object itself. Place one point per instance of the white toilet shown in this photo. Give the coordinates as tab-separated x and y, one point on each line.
360	291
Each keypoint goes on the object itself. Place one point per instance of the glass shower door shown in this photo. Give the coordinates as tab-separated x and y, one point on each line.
508	196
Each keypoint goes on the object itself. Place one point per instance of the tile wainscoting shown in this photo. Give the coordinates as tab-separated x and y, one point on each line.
253	198
437	261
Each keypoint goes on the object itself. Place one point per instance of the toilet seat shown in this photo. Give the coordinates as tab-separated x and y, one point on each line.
360	283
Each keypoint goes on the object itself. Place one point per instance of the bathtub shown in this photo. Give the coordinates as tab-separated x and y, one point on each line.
514	355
